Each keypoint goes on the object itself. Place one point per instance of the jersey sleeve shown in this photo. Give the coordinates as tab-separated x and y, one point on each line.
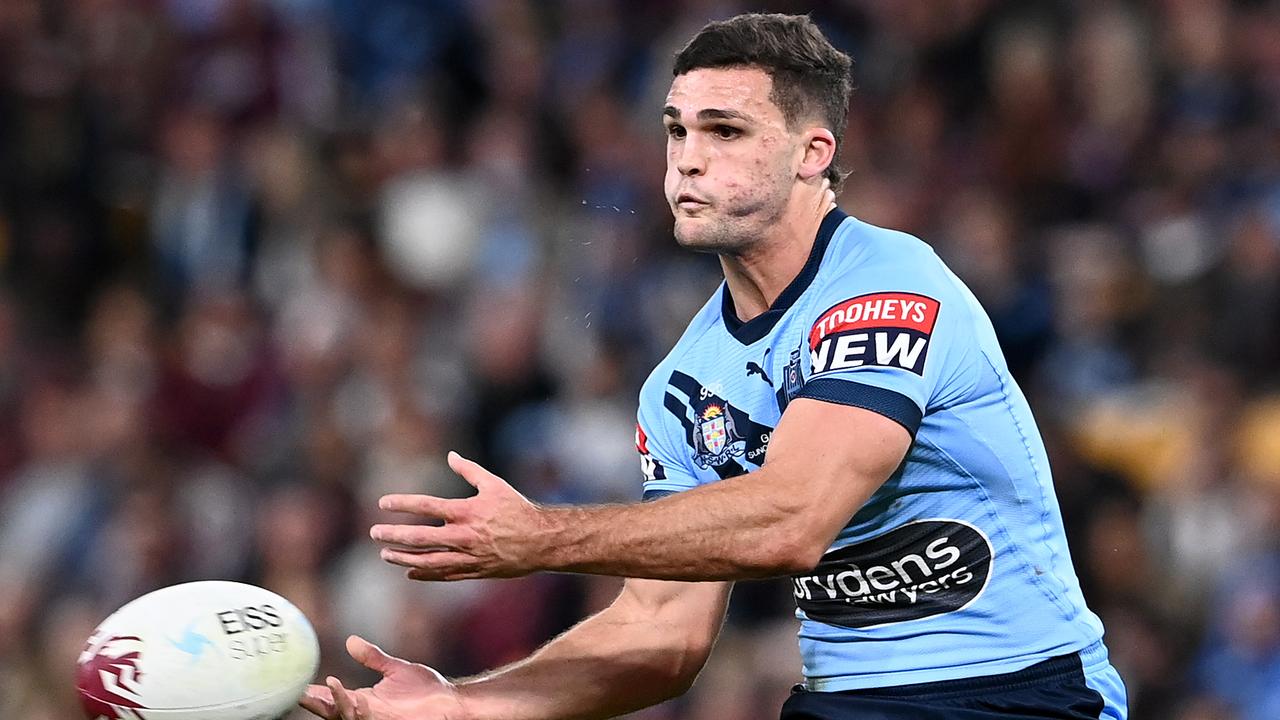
665	468
884	342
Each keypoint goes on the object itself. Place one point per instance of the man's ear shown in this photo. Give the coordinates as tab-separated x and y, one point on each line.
819	153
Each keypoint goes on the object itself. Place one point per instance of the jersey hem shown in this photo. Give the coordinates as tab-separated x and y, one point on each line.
960	672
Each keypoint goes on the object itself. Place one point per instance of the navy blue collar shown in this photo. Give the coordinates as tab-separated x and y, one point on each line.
762	324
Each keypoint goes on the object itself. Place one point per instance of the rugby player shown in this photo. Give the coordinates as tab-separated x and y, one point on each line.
838	412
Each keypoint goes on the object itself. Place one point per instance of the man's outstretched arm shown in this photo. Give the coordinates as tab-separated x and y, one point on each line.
646	647
824	461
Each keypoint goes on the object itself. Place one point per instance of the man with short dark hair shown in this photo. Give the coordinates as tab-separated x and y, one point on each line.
838	412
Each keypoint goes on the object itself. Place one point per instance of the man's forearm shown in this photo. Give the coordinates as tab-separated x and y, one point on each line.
735	529
775	521
610	664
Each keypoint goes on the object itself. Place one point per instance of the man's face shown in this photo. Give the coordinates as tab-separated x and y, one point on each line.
731	162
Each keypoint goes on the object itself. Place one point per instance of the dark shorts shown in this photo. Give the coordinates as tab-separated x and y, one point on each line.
1054	689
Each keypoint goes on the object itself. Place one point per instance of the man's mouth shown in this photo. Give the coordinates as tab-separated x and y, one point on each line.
689	201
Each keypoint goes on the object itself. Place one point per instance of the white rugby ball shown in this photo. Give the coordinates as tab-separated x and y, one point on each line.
209	650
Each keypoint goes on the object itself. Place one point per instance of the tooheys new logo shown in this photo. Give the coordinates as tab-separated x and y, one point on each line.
919	570
884	329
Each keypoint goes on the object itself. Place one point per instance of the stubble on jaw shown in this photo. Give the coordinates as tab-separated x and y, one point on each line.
740	230
715	236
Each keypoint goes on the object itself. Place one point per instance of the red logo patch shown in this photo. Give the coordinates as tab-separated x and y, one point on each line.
108	676
642	440
649	465
878	310
889	329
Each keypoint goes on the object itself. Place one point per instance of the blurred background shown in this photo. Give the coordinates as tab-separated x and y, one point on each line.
265	260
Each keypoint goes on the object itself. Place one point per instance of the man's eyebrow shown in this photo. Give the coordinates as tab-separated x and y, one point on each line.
718	114
708	114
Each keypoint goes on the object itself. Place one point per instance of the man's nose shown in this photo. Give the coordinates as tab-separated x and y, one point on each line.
693	158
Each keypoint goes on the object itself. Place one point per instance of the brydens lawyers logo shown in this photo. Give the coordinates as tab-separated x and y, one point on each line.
917	570
884	329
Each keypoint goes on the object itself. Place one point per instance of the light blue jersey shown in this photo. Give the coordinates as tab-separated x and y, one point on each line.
958	565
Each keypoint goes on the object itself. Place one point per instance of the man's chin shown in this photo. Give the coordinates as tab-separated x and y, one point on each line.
694	233
703	235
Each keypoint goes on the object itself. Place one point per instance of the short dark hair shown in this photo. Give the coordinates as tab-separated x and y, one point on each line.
811	78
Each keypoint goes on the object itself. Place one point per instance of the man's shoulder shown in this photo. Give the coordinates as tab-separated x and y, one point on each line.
867	259
861	248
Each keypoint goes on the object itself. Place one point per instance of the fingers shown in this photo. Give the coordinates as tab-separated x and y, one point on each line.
447	575
473	472
444	508
318	700
369	655
442	565
470	543
343	700
424	505
446	566
420	538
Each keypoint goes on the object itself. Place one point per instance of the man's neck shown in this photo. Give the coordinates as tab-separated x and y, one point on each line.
756	278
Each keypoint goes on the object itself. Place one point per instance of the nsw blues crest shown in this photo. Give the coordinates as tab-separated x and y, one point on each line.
717	439
722	437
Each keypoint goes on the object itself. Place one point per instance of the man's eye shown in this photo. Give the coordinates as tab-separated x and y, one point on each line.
676	131
726	132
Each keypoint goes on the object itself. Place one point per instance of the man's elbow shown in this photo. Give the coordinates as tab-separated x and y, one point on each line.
804	555
796	551
671	672
677	682
685	669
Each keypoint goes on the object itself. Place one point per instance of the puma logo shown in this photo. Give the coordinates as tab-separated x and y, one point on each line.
755	369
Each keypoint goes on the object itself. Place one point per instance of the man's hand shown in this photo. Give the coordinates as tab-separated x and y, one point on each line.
406	691
495	533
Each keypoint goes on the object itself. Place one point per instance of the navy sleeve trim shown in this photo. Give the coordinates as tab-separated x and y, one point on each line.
893	405
650	495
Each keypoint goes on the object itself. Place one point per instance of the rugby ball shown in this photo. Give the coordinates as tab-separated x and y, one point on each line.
210	650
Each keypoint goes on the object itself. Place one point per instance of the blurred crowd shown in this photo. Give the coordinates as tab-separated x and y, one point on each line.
263	261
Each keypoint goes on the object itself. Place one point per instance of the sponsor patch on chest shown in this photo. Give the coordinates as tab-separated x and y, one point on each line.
918	570
890	329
